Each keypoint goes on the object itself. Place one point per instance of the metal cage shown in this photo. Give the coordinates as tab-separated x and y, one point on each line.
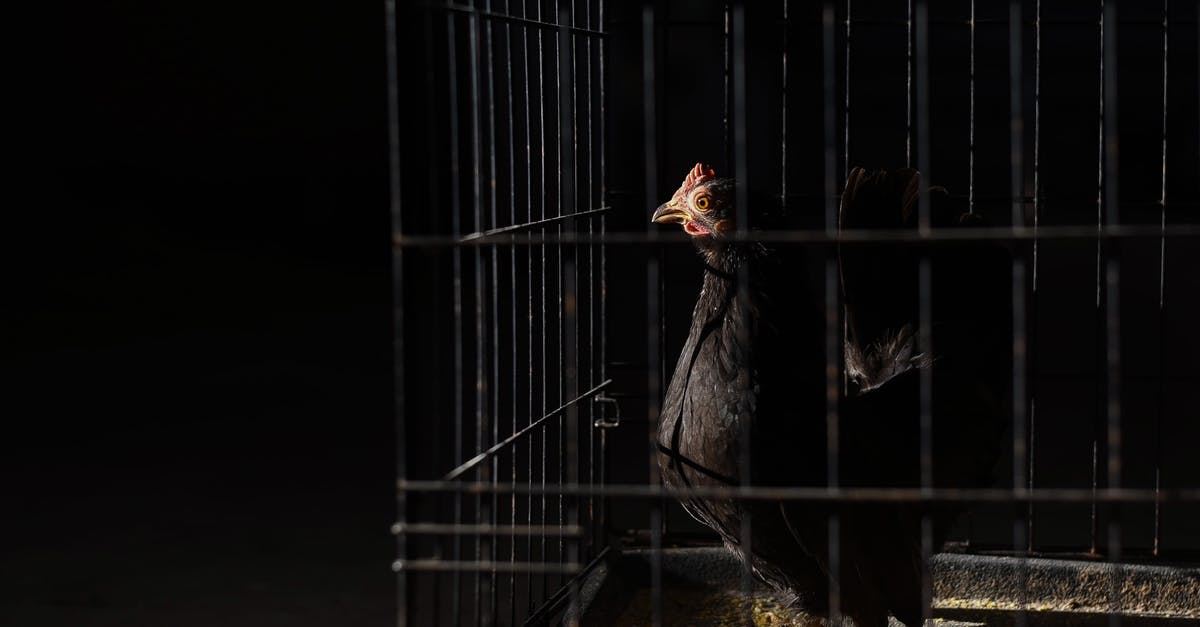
534	306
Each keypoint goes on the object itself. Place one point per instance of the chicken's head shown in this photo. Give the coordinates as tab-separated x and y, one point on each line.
703	204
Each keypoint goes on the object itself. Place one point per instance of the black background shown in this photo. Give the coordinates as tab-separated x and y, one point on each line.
197	345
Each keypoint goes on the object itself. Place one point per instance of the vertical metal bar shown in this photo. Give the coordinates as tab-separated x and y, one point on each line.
545	383
1016	116
527	123
1016	194
1020	542
845	378
490	419
569	348
559	331
833	342
925	285
593	314
592	340
741	206
602	518
969	518
832	337
1113	301
653	386
1032	436
1113	362
829	130
783	116
922	109
1100	155
481	396
571	283
727	36
1162	285
1031	386
971	117
925	345
456	228
1037	135
399	399
512	274
908	80
1094	550
1099	227
525	59
846	105
661	366
493	417
738	87
433	187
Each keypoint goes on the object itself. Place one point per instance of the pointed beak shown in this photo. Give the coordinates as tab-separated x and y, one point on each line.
670	211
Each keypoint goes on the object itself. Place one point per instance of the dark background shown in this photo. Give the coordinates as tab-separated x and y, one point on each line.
197	346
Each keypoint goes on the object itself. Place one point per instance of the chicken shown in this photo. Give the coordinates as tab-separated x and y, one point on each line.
755	364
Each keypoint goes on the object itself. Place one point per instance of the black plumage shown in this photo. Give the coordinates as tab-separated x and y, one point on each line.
754	363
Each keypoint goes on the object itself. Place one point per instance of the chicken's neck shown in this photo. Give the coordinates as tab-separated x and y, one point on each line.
725	263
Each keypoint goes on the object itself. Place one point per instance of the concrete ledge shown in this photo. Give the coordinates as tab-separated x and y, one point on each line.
968	590
1064	585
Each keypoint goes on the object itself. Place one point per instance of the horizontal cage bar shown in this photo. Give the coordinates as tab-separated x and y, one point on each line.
483	566
817	237
820	494
484	529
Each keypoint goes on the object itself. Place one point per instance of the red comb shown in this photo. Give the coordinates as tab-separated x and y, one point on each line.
698	175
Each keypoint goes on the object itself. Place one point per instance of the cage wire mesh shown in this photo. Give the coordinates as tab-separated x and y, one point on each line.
536	310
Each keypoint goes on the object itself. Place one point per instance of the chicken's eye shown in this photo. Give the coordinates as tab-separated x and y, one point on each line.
702	202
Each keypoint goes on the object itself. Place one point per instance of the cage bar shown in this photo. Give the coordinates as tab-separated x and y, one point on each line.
924	270
653	301
1162	285
396	215
1030	385
1019	340
833	327
824	494
455	221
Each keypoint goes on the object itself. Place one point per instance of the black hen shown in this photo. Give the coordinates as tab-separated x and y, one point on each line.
756	364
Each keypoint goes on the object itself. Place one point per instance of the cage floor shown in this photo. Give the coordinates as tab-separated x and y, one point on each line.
701	586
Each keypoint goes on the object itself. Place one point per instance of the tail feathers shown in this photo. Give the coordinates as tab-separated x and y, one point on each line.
888	199
890	356
879	282
879	199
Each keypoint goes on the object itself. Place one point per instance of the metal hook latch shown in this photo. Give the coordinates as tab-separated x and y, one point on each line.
603	422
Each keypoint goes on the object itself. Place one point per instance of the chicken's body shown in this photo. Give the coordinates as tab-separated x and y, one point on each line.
755	364
714	395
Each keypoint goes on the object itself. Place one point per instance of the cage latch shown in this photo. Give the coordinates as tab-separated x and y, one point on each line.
603	422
